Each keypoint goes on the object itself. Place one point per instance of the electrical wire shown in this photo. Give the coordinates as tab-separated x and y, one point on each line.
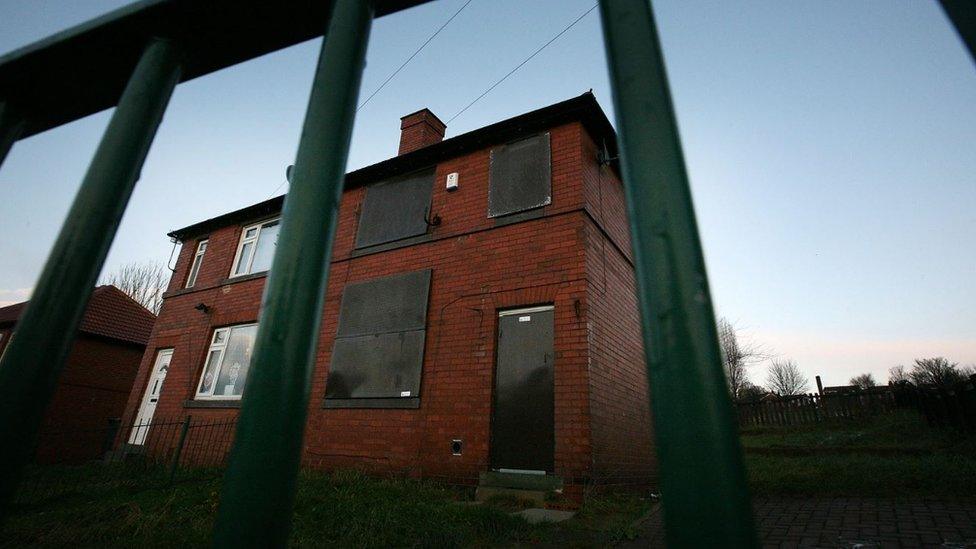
404	64
398	69
519	66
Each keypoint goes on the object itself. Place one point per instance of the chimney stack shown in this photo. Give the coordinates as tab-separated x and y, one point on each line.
419	129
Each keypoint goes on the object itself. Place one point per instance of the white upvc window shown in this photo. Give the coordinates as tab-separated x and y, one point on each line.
197	261
256	249
228	360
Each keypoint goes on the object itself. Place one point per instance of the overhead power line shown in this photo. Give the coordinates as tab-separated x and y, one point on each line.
519	66
400	68
414	54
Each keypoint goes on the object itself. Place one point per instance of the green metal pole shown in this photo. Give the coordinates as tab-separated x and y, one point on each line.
962	14
703	483
11	126
35	355
259	484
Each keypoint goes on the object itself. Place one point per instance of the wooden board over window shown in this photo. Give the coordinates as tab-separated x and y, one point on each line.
395	209
377	358
520	176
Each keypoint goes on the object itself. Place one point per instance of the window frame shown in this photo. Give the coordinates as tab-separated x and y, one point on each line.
222	347
243	240
195	265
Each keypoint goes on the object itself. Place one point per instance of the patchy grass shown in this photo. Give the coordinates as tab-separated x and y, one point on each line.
615	516
344	509
904	430
892	455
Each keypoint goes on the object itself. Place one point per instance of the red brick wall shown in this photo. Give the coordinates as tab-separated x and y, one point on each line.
478	268
619	404
94	387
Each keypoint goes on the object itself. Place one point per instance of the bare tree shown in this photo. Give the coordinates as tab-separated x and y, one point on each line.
785	379
750	392
863	381
936	371
737	355
144	282
896	375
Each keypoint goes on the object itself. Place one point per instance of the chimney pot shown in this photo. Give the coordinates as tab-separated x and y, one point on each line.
420	129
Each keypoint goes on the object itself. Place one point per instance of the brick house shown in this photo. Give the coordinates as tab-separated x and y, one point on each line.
480	315
97	378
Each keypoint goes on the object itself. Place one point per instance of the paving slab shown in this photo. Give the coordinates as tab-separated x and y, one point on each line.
535	516
843	523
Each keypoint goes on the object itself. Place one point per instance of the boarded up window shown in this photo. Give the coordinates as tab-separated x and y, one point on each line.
520	176
379	346
395	209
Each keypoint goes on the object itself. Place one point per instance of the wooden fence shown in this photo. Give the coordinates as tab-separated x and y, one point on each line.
944	406
953	406
814	408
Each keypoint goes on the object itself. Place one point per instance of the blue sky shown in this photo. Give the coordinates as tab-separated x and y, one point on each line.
831	147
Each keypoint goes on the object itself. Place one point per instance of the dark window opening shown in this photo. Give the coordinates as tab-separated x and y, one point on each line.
520	176
395	209
379	347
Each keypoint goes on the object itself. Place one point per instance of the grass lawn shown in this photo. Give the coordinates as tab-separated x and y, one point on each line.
888	456
344	509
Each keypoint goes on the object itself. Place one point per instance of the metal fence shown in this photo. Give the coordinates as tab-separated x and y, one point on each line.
143	455
133	59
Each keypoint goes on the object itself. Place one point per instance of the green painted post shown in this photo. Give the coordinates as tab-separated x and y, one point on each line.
11	125
703	483
962	14
259	484
35	355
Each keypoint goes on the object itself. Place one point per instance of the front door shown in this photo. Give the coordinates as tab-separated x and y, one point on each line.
149	401
522	433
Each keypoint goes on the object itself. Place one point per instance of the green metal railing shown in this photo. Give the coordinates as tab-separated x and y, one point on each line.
33	359
259	486
706	500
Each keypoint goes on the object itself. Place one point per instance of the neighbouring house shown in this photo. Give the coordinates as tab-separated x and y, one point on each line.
97	377
480	323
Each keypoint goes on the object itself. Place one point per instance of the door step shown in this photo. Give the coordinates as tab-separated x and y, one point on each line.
536	498
534	488
524	481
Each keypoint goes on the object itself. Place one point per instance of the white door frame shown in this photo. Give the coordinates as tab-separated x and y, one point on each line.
150	398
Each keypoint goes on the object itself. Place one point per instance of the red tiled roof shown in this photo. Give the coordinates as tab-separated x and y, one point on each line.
111	313
11	313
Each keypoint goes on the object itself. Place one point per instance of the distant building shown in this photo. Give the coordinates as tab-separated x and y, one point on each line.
97	378
481	314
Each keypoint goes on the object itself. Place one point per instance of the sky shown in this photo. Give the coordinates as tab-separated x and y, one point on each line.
831	147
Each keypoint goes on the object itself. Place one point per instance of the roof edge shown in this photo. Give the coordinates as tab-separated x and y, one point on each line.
584	108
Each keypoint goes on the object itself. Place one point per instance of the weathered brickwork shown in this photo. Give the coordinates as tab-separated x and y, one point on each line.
96	381
619	407
95	384
479	267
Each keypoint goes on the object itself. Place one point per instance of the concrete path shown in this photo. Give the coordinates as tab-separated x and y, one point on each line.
849	522
535	516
